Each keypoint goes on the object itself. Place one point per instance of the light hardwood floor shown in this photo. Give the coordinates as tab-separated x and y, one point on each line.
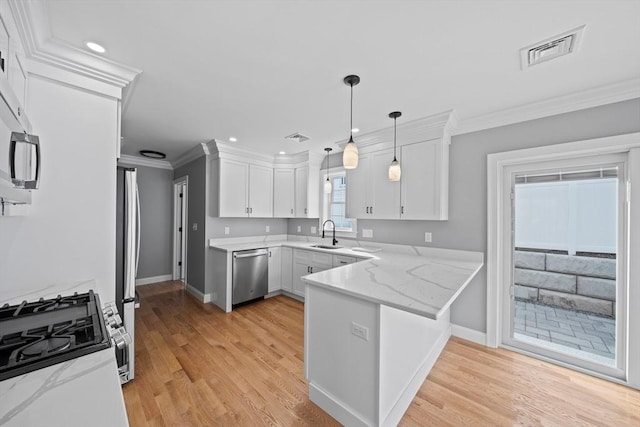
197	366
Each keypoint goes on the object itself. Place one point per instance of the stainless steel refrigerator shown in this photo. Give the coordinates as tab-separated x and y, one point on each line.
127	256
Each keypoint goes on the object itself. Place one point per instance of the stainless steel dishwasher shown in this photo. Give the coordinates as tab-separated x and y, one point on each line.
250	275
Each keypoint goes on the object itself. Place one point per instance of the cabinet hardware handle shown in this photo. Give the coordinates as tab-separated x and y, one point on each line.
246	210
402	209
291	210
305	211
250	210
343	262
310	269
367	209
371	210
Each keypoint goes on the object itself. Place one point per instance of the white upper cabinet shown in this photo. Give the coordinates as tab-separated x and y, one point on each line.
283	193
424	182
234	188
245	184
422	192
245	190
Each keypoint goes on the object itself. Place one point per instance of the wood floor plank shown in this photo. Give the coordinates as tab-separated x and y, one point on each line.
199	366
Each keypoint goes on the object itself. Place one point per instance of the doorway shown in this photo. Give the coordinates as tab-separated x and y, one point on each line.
180	197
539	248
566	298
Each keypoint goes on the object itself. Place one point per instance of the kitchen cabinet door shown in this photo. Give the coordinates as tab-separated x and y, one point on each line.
385	203
260	191
359	189
234	188
301	192
300	268
283	193
287	269
275	269
424	181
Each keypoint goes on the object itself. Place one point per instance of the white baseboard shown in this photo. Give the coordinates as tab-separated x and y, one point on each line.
203	298
332	405
469	334
155	279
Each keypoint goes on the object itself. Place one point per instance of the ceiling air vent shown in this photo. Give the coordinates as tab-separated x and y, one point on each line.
297	137
554	47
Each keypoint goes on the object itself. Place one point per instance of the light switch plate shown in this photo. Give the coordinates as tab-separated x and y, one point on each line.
427	237
267	228
299	228
313	230
367	232
226	230
194	227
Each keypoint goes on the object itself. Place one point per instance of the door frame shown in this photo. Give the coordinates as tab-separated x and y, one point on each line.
498	238
180	204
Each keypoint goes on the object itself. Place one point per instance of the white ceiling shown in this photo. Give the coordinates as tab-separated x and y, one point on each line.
261	70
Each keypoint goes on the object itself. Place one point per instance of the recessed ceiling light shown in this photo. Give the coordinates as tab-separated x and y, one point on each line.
282	152
233	139
96	47
355	130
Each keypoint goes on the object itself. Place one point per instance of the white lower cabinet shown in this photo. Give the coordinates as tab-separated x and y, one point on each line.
275	269
286	255
308	262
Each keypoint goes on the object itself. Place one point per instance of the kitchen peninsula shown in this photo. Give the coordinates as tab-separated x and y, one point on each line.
374	329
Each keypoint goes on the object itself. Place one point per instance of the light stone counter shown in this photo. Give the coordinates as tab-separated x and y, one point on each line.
80	392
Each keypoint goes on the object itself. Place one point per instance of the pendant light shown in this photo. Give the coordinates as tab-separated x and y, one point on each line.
350	155
394	167
327	183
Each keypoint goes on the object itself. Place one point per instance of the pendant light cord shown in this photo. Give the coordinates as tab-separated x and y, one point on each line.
351	114
394	139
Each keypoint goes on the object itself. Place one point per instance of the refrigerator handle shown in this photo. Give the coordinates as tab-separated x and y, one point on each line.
137	228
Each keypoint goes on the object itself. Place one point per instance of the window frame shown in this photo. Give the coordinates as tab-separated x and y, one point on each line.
335	172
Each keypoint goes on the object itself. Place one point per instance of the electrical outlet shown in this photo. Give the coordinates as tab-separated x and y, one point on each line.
194	227
226	230
367	232
267	228
427	237
360	331
313	230
299	228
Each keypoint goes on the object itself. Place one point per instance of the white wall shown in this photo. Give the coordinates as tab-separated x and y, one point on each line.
68	233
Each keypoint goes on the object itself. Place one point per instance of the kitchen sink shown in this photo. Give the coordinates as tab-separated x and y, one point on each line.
326	247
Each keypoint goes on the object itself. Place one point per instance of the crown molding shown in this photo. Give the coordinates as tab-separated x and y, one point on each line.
142	161
198	150
436	126
596	97
40	47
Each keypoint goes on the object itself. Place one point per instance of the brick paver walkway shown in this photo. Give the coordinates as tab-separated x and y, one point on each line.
586	332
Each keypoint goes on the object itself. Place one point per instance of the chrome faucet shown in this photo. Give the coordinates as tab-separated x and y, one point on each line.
334	230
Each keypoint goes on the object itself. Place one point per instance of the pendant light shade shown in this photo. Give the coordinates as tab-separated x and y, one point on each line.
394	168
327	183
350	155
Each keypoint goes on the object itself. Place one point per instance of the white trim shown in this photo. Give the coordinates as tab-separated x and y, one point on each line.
623	91
203	298
190	155
436	126
32	20
154	279
469	334
497	165
182	205
141	161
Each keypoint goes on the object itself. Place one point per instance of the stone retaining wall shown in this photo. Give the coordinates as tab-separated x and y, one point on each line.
572	282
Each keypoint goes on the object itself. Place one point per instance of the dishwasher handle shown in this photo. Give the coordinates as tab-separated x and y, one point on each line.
250	254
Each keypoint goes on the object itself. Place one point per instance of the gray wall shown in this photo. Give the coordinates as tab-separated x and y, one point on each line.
196	212
156	207
467	224
242	227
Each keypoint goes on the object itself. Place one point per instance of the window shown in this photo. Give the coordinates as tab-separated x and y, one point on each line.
335	204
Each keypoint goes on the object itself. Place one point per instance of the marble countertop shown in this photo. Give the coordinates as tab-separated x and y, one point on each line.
421	280
79	392
425	283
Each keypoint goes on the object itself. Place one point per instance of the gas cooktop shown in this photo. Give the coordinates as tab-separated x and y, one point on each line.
41	333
